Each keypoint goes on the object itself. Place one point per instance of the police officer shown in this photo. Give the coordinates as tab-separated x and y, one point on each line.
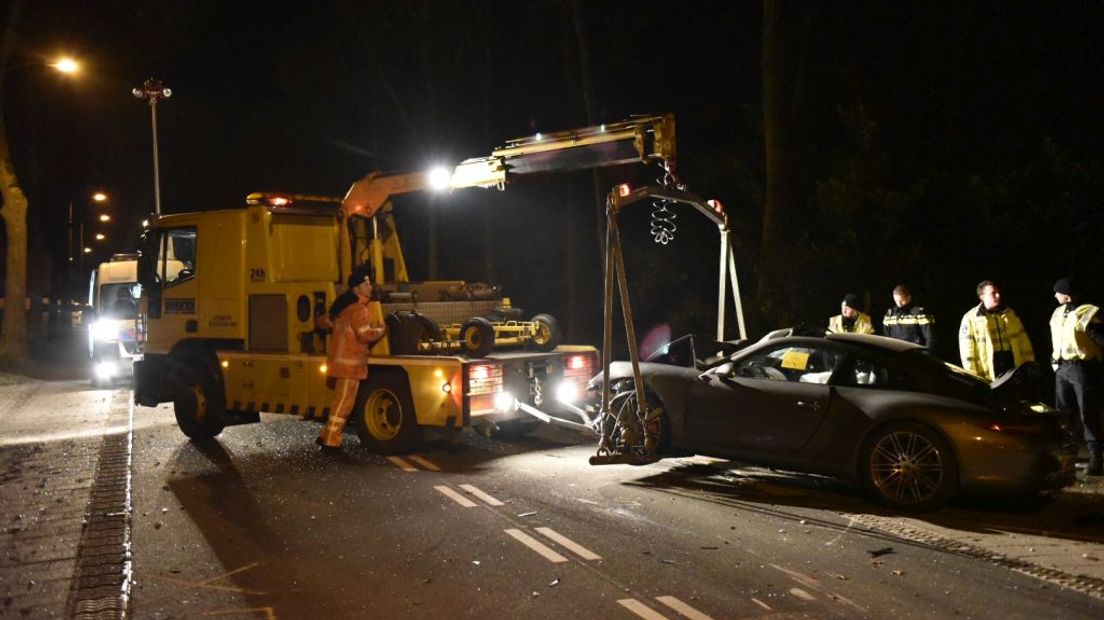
991	338
1077	334
908	322
347	359
851	319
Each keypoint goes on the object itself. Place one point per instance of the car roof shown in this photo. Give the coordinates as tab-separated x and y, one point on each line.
877	342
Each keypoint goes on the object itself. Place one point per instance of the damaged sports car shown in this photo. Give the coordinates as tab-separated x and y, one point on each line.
913	430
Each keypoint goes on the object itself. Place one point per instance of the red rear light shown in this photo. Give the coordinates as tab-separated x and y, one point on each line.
624	189
577	361
715	205
484	379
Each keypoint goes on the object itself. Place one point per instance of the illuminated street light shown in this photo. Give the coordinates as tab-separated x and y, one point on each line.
153	91
105	217
100	237
99	197
87	250
66	65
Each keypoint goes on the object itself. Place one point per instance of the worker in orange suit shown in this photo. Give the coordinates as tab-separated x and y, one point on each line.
347	358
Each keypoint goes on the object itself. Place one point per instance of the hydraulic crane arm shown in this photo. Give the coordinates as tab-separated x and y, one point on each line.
639	139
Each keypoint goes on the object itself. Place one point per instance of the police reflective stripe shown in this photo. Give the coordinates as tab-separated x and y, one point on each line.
1068	335
907	319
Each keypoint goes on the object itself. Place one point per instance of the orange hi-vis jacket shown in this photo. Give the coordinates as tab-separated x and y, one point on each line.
353	333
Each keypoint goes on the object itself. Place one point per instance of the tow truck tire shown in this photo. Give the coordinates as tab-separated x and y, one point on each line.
477	337
384	415
546	332
198	403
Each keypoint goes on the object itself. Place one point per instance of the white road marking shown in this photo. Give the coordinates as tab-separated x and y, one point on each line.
481	495
684	609
569	544
401	464
536	545
641	609
423	462
802	594
761	604
454	496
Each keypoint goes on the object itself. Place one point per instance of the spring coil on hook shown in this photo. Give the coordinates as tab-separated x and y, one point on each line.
663	223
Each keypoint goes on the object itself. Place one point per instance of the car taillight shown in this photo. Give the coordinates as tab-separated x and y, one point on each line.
484	379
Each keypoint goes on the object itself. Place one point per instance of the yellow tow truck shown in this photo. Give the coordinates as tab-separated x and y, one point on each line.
230	298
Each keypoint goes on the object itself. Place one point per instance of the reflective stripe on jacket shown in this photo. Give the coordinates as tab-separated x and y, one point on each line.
982	333
862	325
910	323
352	333
1069	333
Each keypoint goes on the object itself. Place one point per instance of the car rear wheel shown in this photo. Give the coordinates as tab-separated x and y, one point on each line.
909	466
384	415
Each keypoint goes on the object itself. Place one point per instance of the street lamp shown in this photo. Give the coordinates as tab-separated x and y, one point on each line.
66	65
78	217
154	91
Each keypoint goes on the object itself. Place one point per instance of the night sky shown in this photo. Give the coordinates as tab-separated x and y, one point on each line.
946	142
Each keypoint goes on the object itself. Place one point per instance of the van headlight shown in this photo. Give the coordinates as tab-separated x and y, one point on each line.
105	329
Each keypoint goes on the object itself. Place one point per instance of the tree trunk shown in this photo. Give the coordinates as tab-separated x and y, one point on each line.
782	33
13	345
13	342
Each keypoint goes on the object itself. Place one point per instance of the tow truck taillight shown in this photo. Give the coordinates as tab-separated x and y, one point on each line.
484	379
578	369
623	190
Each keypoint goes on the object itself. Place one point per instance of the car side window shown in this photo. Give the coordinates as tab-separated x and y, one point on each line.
799	364
867	374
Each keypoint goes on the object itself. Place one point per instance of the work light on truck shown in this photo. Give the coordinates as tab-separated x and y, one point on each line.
439	179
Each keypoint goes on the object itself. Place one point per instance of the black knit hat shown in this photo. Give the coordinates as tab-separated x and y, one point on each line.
1066	286
851	300
360	275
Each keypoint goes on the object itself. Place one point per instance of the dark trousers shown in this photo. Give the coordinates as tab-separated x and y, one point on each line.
1077	392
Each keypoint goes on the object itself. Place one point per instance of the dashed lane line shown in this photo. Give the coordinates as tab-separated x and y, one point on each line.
761	604
424	462
685	610
401	464
640	609
568	544
802	594
536	545
454	496
490	501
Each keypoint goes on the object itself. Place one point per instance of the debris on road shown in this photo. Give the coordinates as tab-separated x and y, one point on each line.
880	552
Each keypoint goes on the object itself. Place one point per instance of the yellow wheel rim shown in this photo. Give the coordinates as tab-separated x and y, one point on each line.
383	415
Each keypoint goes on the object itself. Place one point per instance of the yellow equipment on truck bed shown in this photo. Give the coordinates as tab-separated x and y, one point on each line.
232	333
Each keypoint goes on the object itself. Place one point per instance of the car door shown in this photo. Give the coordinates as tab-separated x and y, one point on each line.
771	401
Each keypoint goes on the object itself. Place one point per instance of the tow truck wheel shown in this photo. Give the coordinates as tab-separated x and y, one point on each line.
477	337
198	404
384	415
546	332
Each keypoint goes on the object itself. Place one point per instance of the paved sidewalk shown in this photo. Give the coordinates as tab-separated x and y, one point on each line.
51	434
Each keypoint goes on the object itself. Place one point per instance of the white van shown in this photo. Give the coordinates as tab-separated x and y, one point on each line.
113	293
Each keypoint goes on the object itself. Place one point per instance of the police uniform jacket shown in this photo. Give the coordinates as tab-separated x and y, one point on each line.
985	332
861	325
911	323
1076	333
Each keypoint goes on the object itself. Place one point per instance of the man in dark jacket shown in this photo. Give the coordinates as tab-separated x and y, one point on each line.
908	322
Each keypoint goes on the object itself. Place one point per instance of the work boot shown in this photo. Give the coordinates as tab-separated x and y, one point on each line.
1096	459
327	450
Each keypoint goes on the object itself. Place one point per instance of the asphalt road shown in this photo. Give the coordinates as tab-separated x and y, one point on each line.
258	524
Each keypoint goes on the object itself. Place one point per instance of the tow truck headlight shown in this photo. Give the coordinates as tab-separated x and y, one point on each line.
104	329
504	401
567	392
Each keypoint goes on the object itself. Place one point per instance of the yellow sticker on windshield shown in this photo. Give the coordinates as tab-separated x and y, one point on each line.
796	360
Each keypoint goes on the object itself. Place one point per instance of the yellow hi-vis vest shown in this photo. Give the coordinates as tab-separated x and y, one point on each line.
982	333
1068	333
863	325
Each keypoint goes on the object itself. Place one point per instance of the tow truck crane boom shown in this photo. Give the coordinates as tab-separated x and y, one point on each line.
638	139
